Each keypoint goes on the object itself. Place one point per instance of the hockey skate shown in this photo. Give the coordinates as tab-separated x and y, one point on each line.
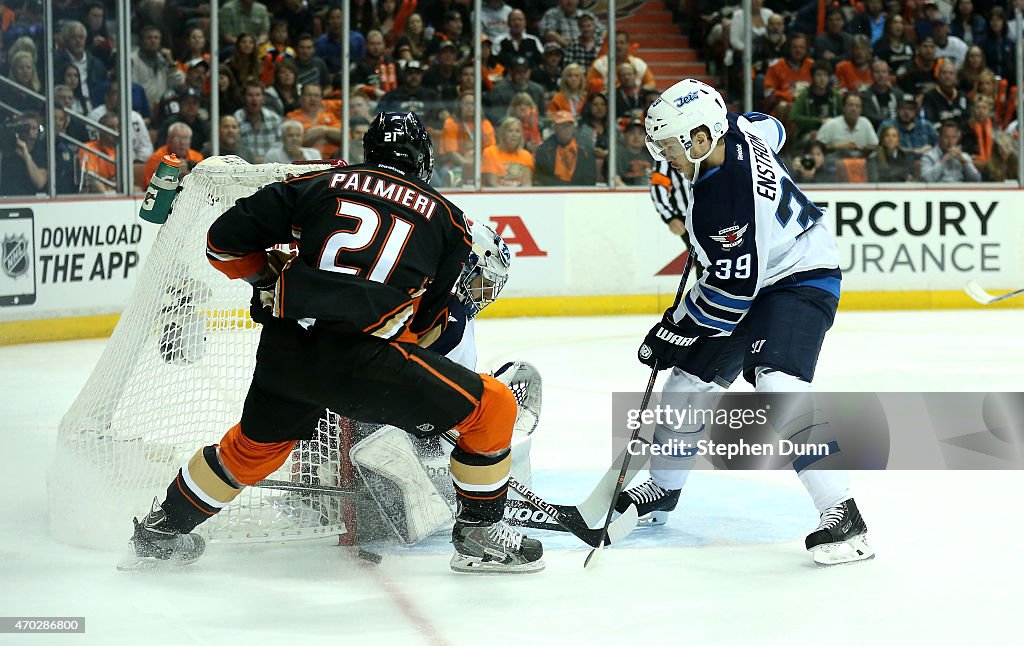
155	544
482	547
841	537
652	502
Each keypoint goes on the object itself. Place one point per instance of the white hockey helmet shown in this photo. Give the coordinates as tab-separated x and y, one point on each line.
486	270
681	109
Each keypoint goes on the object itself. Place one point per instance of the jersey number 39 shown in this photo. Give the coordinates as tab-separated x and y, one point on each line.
725	270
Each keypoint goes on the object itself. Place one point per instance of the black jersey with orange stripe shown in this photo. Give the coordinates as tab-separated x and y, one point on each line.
378	250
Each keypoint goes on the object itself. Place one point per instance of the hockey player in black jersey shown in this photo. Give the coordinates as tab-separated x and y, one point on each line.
379	252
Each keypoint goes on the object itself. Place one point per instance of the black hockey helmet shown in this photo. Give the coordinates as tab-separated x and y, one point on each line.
396	137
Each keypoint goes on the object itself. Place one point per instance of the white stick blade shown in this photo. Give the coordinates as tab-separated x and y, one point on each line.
975	291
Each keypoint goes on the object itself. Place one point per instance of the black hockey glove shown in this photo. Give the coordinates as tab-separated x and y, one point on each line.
261	307
666	344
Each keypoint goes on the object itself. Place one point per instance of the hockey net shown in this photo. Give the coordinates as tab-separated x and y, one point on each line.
173	378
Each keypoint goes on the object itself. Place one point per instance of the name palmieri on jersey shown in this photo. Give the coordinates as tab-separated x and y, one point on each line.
398	192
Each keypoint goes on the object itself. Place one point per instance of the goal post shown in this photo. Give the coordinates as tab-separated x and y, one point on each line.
173	378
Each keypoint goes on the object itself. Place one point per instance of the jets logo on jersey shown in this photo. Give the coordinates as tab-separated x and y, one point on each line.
730	237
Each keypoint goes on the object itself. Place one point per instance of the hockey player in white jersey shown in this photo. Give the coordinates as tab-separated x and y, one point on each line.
768	295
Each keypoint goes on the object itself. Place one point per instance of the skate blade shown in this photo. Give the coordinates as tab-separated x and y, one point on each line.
653	519
843	552
474	565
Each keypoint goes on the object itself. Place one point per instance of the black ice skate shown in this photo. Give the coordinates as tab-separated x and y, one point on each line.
841	537
494	547
155	543
652	502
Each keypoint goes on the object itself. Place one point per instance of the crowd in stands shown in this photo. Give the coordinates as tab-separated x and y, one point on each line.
868	91
876	90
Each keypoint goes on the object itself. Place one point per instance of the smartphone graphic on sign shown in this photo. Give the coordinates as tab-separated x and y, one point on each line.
17	257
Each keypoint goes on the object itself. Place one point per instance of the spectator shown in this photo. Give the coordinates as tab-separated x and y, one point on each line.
835	44
758	27
854	74
245	61
64	101
154	68
452	32
850	135
291	148
275	50
507	164
919	75
561	23
973	67
322	128
948	162
945	101
889	162
771	46
1000	52
230	91
967	25
328	45
142	145
870	23
359	107
72	80
362	16
260	126
196	49
1004	97
880	101
585	48
443	75
813	167
310	68
549	74
97	38
491	69
629	100
563	160
412	44
594	128
230	141
816	103
457	138
64	164
633	164
788	76
91	71
518	80
299	16
23	72
517	43
1003	164
187	113
357	129
524	108
917	134
376	74
571	92
893	47
23	168
597	75
283	94
494	18
179	143
244	17
412	96
97	169
947	47
977	133
197	77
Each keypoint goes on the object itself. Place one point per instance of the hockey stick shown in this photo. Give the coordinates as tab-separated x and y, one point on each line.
975	291
567	516
620	482
300	487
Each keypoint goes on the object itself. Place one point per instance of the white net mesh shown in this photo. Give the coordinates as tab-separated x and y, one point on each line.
172	379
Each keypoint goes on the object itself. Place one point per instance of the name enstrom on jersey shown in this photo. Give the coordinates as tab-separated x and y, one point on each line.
393	191
763	165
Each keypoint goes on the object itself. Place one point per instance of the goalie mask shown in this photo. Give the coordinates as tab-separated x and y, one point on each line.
486	270
678	112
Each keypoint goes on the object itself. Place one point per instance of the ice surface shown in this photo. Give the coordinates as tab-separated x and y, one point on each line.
728	568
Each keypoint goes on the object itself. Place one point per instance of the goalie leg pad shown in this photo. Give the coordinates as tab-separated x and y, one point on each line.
524	380
201	489
391	469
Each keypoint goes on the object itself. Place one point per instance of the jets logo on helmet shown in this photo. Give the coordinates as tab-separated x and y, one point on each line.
680	111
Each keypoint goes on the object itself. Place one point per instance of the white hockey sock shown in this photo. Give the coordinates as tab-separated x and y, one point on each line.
671	469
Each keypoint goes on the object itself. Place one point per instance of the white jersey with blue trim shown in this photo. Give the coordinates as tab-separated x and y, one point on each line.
753	230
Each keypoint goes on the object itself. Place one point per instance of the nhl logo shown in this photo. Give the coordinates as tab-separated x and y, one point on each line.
15	255
645	351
